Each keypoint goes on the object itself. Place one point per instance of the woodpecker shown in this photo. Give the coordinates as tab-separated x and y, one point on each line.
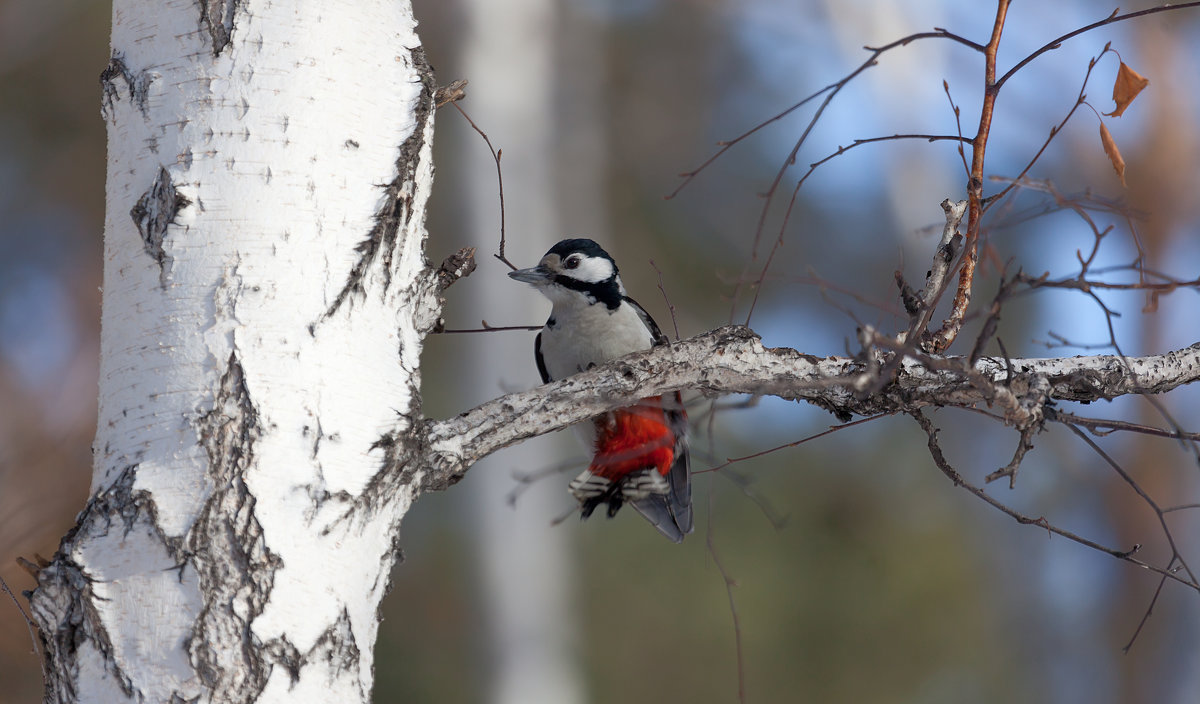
640	452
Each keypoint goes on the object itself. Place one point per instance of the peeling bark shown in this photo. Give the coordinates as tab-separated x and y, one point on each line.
227	549
136	84
218	18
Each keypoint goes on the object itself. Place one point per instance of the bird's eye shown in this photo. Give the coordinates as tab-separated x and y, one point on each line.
572	262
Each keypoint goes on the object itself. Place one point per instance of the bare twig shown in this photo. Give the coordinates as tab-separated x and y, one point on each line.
1079	100
923	310
1086	285
830	91
796	191
526	480
1176	556
489	328
1101	427
943	258
1145	616
1024	445
32	634
829	431
1111	19
958	123
939	459
666	298
730	583
945	336
496	154
832	88
1180	507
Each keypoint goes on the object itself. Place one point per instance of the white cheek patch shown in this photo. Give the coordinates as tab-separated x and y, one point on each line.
593	270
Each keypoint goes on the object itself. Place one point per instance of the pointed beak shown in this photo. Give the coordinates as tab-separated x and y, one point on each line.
535	275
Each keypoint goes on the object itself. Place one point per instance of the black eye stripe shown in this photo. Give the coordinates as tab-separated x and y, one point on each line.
606	292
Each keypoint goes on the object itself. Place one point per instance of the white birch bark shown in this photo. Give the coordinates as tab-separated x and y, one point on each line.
265	298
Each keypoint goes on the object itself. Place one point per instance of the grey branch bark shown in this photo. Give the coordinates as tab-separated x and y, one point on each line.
733	360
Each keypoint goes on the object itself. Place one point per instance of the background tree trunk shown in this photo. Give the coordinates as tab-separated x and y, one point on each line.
265	297
524	567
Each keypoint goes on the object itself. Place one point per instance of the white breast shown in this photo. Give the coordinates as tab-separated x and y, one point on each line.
584	335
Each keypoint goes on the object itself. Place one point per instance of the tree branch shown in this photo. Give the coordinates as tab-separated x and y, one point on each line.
733	360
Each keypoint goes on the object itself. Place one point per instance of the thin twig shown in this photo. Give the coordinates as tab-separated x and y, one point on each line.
746	486
666	298
1100	427
727	144
1079	100
875	140
489	328
830	91
1180	507
36	650
496	154
730	583
1145	616
787	214
1176	556
939	459
829	431
945	336
1111	19
958	123
526	480
1089	284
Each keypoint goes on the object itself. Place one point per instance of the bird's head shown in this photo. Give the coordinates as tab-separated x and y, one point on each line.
574	270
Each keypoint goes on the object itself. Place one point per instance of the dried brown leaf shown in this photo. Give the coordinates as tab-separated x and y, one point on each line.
1151	303
1114	154
1127	86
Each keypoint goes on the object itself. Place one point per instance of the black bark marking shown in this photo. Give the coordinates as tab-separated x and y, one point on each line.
217	18
65	601
137	84
402	453
337	647
394	473
63	604
154	212
282	652
236	569
396	210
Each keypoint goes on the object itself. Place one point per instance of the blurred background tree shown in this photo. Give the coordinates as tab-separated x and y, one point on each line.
868	577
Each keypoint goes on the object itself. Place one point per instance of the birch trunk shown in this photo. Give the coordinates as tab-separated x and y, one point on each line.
265	299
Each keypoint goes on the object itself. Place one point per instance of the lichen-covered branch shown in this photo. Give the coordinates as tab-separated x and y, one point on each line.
733	360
